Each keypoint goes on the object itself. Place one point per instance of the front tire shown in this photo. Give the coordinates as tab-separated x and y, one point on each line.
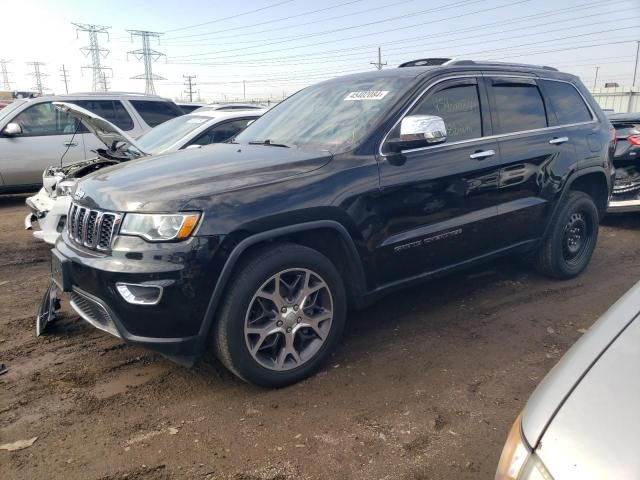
567	249
283	314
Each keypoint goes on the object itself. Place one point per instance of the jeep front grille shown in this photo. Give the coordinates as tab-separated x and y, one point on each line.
91	228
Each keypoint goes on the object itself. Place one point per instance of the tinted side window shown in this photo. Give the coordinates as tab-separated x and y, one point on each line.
222	132
154	113
459	107
518	107
44	119
112	111
566	102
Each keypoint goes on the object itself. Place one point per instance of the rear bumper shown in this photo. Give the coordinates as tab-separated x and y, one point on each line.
624	206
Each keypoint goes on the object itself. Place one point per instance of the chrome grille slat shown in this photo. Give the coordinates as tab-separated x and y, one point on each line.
91	228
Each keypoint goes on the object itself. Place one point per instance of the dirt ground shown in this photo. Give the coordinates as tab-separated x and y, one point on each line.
424	385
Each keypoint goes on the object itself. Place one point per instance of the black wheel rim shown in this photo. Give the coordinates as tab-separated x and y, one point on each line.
577	237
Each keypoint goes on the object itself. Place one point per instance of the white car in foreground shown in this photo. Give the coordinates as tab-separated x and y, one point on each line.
50	205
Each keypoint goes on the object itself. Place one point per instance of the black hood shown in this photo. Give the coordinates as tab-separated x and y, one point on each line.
170	182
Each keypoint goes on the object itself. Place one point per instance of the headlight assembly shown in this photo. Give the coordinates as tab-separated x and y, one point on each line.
159	227
517	461
64	187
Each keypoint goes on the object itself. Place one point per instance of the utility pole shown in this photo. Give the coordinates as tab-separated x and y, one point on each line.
63	74
105	82
244	90
596	79
37	75
148	56
635	70
5	75
379	63
99	84
189	84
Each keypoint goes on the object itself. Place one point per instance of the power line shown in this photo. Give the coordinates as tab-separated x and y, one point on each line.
97	53
189	84
63	74
230	17
379	63
6	85
322	20
430	43
327	32
148	56
37	75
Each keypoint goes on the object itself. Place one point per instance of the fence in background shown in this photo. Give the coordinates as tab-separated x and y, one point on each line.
618	99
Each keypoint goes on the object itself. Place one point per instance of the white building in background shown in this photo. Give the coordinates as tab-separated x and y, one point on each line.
618	99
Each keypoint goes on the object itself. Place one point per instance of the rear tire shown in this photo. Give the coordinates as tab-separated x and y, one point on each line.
569	245
282	316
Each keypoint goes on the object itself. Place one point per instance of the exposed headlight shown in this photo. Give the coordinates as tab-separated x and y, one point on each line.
158	227
517	461
64	187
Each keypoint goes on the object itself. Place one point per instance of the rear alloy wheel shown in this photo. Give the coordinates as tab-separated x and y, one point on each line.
282	316
569	245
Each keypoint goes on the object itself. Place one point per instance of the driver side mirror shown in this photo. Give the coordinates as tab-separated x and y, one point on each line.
418	131
12	129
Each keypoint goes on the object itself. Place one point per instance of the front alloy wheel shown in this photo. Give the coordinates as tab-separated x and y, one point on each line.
288	319
282	315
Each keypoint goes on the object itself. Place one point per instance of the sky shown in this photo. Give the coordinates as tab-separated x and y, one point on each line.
267	49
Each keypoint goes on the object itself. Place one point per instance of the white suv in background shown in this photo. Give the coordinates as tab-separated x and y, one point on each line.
34	134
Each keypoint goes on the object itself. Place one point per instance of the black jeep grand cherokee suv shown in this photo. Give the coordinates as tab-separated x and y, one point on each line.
343	192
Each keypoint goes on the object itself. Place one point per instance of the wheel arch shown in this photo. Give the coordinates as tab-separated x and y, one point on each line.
593	182
329	237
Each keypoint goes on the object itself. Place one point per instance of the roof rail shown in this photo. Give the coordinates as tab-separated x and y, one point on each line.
430	62
498	64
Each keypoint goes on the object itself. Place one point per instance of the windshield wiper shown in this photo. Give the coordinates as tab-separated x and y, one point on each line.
269	143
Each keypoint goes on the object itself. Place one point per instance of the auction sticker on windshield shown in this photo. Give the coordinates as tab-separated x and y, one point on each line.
367	95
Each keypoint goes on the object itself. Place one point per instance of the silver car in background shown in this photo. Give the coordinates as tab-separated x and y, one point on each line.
34	134
583	420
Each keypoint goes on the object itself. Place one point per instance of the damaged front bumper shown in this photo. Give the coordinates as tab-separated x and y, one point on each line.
49	213
626	191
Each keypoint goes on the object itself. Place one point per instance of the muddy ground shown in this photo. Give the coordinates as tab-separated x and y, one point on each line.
424	385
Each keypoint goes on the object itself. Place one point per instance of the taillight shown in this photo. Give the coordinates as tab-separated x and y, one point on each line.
634	139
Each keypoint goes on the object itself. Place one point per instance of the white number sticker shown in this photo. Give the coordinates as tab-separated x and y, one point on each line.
367	95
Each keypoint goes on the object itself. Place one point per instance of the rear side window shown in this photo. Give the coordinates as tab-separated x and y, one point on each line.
156	112
518	107
459	107
567	103
111	110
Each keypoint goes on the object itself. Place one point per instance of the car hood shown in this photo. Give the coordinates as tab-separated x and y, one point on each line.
583	418
175	181
112	137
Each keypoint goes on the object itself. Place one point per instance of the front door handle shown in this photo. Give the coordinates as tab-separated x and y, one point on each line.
558	140
70	144
482	154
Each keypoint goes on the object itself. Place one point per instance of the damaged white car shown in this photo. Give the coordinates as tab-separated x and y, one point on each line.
50	205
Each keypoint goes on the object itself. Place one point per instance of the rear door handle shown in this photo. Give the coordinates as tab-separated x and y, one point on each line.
482	154
558	140
70	144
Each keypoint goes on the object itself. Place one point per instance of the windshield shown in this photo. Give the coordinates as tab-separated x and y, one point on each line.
332	116
166	134
6	111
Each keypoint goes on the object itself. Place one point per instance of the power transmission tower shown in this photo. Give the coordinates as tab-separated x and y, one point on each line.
148	56
379	63
37	75
63	74
6	85
189	84
96	52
